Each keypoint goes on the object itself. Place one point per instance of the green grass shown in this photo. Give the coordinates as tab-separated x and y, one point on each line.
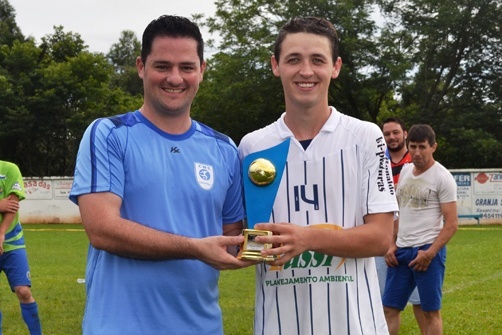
472	289
57	253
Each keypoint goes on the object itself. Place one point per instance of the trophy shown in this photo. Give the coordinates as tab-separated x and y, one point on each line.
262	173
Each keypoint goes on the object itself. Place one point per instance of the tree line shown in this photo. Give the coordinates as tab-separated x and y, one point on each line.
424	61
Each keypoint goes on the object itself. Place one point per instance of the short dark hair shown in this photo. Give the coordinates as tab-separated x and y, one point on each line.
395	120
311	25
421	133
171	26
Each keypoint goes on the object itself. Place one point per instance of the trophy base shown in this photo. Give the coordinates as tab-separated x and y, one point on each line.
251	250
253	256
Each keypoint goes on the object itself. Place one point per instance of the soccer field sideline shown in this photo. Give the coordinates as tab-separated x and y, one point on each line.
469	284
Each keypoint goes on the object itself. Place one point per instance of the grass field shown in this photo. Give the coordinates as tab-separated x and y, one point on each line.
471	304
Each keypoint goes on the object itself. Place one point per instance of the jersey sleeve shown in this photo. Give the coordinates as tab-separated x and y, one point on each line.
15	183
448	188
233	209
98	166
379	188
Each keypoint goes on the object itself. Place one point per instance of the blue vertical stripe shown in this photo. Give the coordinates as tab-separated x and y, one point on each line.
347	301
328	296
277	305
296	305
278	310
305	182
367	192
324	189
358	298
92	148
343	187
287	190
328	300
311	310
371	299
263	275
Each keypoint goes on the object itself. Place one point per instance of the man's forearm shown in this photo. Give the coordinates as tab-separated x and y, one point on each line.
443	238
7	220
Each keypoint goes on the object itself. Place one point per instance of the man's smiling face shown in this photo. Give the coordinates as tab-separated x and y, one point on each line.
306	68
171	75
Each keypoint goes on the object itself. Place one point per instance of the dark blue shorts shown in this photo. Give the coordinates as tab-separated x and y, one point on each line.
15	265
402	280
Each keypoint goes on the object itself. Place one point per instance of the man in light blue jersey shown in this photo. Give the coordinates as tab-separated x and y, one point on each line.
160	199
13	256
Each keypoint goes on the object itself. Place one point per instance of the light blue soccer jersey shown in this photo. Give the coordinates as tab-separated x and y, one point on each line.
187	184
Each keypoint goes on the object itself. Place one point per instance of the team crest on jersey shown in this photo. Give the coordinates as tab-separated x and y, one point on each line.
17	186
204	174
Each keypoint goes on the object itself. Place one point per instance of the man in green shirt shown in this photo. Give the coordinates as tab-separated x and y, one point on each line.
13	257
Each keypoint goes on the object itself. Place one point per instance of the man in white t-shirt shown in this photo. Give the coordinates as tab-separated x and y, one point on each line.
427	196
335	204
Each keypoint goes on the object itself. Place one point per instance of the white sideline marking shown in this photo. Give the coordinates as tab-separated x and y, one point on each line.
496	275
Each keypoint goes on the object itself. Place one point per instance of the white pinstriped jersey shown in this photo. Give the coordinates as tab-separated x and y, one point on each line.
342	176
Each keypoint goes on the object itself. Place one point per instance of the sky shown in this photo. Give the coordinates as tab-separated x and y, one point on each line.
100	22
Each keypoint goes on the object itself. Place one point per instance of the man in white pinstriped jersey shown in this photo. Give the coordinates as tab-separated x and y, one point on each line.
335	204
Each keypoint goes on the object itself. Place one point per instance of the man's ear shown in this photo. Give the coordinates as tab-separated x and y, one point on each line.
275	66
140	66
336	68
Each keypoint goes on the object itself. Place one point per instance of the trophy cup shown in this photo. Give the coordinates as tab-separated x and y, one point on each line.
262	173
